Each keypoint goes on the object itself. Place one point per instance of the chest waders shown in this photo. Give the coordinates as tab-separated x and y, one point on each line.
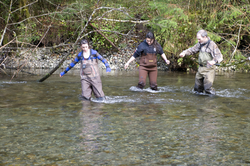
90	78
205	76
148	66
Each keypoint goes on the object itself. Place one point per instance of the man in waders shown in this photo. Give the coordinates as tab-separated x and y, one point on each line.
209	55
148	50
89	72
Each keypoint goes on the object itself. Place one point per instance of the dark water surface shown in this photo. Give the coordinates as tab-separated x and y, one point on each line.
47	124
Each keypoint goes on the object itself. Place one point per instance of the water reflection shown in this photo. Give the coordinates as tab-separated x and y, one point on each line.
47	124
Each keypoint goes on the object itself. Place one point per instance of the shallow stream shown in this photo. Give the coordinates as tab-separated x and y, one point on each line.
48	124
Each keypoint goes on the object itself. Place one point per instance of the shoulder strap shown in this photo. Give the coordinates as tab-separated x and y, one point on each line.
91	55
81	57
208	42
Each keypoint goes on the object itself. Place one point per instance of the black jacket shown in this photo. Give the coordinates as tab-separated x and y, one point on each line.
145	48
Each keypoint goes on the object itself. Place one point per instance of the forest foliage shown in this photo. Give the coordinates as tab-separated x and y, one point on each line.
58	23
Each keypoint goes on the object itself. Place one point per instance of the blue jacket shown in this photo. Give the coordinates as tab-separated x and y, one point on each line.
79	57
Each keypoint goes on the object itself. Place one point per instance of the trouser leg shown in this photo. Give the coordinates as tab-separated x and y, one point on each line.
204	80
86	89
198	85
208	82
153	78
97	88
142	77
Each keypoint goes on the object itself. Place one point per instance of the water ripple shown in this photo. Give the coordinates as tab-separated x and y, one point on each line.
15	82
238	93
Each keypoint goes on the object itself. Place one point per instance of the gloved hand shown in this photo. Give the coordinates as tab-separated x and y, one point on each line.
108	69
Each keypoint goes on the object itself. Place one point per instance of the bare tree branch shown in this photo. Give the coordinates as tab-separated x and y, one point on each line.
137	22
105	37
24	6
8	43
116	32
3	4
46	14
34	49
4	31
236	43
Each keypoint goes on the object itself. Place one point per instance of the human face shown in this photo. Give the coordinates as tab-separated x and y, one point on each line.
201	39
149	41
84	47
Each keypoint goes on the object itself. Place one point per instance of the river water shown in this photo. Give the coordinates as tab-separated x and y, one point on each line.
48	124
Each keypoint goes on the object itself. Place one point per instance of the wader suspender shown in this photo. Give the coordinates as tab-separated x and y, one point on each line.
207	46
90	56
204	44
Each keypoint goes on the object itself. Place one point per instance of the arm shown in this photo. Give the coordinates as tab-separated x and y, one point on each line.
216	54
136	54
191	51
104	61
72	64
165	58
130	60
160	51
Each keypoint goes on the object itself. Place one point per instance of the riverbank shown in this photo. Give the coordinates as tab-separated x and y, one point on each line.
45	58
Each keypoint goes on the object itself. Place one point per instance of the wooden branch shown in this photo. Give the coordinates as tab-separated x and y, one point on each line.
112	9
4	66
34	48
3	71
116	33
90	18
24	6
4	31
136	22
105	37
47	14
236	43
3	61
52	71
8	43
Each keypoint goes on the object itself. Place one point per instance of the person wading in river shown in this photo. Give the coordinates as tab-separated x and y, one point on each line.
89	72
209	55
148	50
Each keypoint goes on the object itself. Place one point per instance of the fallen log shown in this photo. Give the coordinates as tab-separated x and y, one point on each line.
53	70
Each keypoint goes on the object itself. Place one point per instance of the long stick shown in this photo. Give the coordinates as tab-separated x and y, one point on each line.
52	71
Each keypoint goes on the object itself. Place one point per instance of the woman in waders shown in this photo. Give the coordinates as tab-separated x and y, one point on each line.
89	72
148	50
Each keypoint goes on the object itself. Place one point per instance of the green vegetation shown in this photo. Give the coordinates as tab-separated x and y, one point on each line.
174	22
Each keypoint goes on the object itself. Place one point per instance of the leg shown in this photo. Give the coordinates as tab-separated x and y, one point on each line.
208	81
97	88
86	89
142	77
198	86
153	78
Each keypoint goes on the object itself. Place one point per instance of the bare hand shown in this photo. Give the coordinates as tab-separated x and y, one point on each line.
211	62
126	65
182	54
167	62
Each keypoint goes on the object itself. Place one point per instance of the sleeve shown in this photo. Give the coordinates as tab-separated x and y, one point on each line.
104	61
138	51
217	56
160	50
72	64
192	50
